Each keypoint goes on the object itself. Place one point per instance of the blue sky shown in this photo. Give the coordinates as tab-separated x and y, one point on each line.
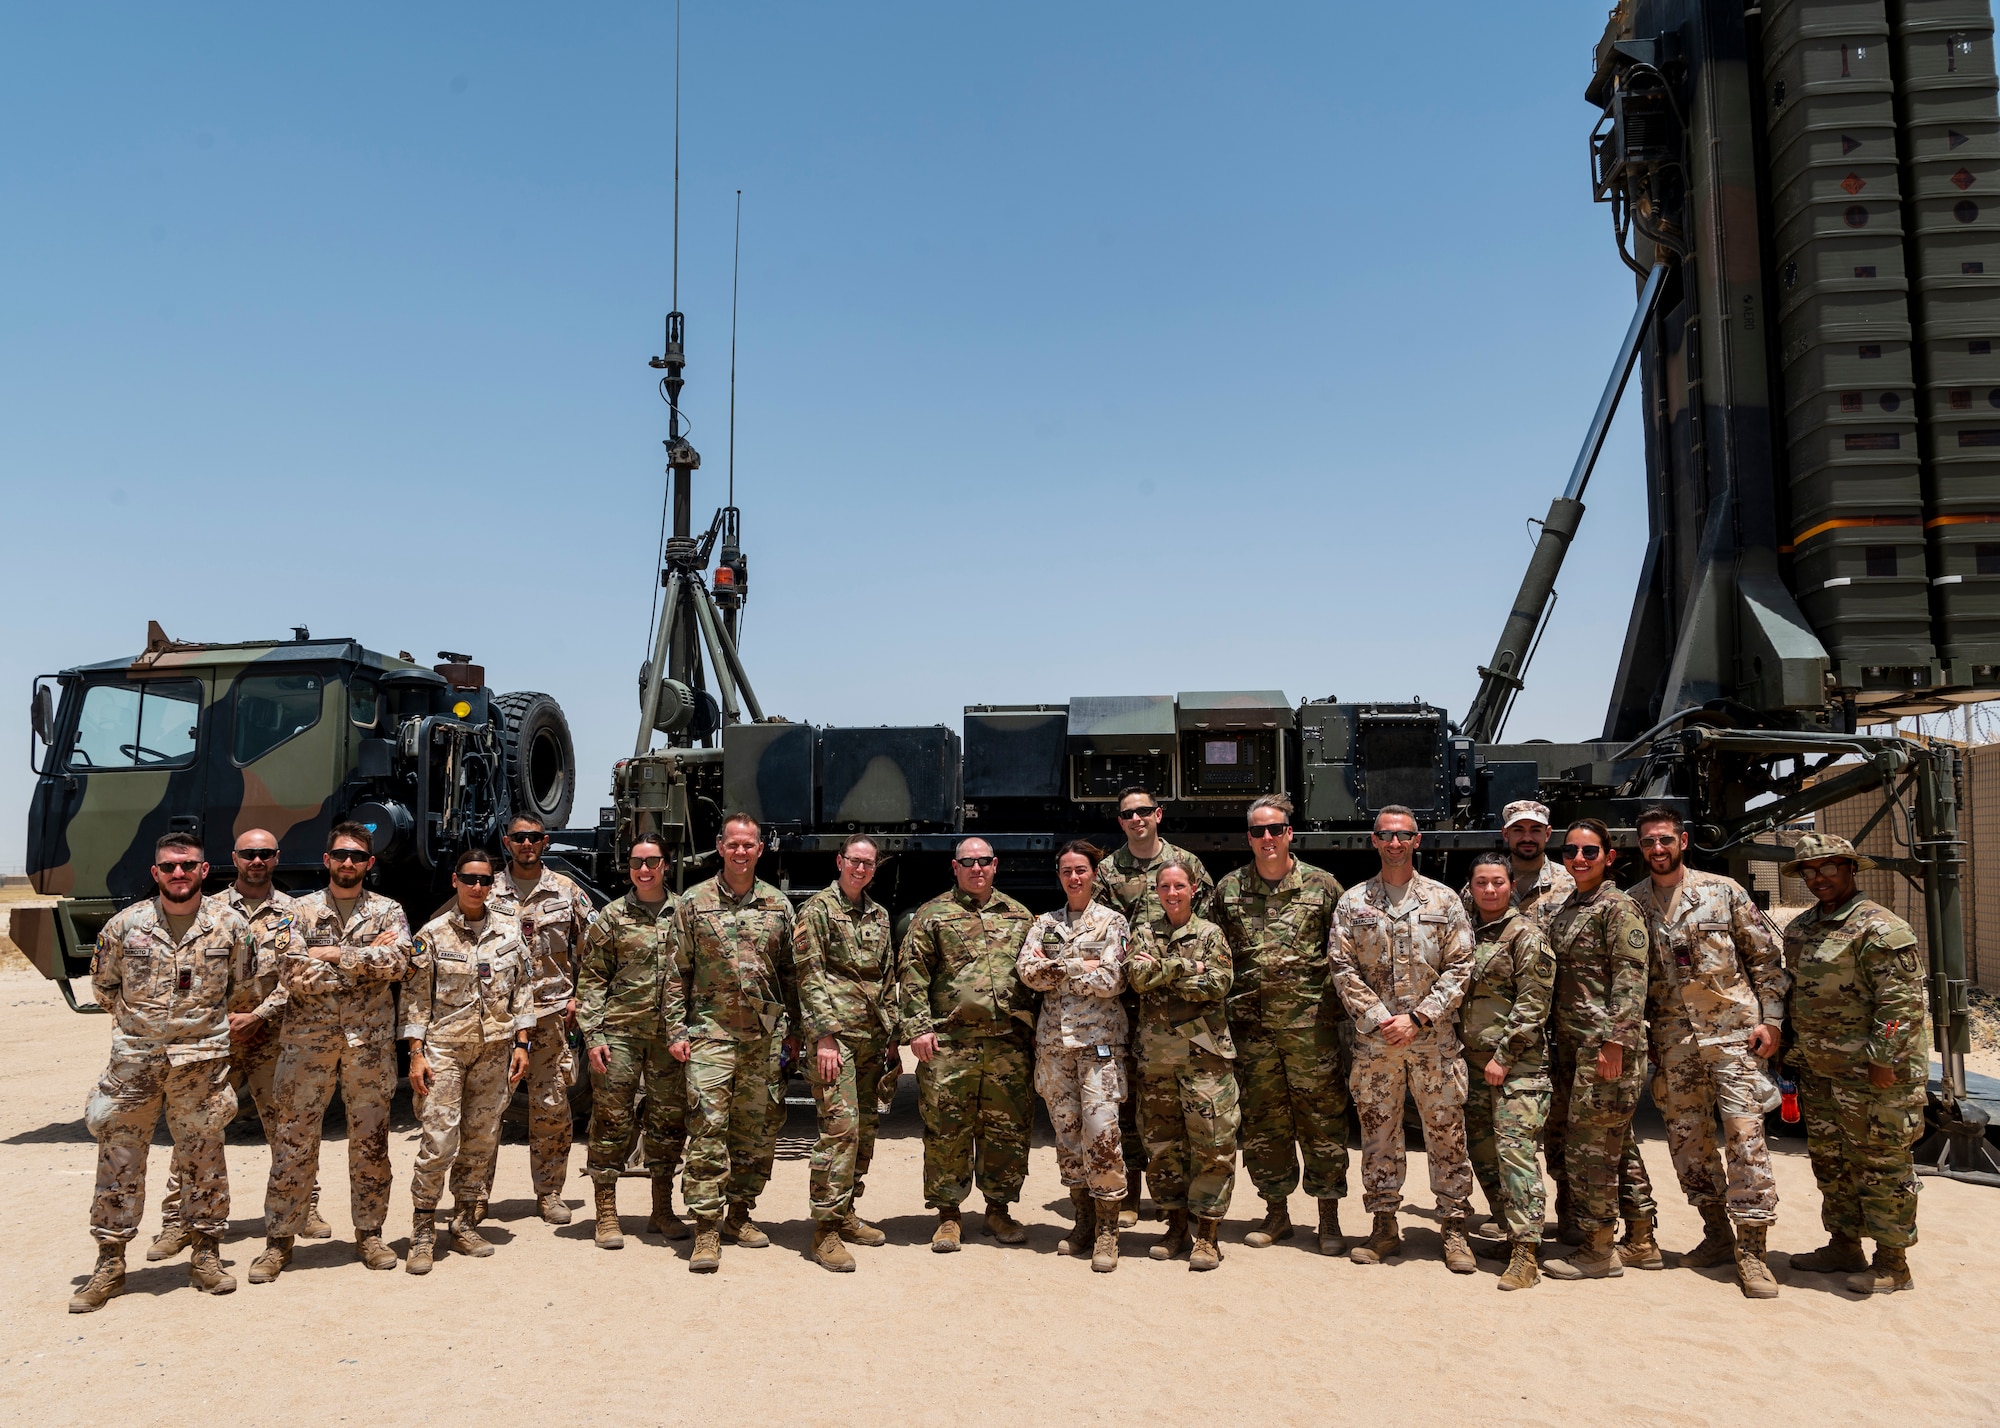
1084	348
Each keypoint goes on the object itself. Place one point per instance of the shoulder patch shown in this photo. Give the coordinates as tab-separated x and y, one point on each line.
422	945
1636	939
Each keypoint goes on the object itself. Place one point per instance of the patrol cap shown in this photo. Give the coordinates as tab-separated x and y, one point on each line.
1524	810
1814	846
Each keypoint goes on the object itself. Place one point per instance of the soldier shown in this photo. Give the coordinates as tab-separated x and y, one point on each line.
624	967
1278	916
1187	1101
1539	885
165	969
847	1002
1506	1026
1715	1003
734	952
467	1012
1125	884
348	948
1598	936
553	913
254	1014
1400	955
1075	957
1858	1018
966	1016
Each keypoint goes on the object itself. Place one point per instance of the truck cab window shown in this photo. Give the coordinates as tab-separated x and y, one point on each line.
136	726
271	708
364	703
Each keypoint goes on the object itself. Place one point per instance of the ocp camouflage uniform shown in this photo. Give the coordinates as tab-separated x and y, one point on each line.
470	988
1857	1000
1188	1109
846	962
168	1001
553	914
1080	1040
959	983
1411	959
624	967
1286	1029
1716	974
339	1028
1506	1019
735	955
1600	946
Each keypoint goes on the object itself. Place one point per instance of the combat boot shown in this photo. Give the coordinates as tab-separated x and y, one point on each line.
552	1208
475	1213
1383	1242
1751	1271
1104	1255
465	1236
369	1249
1521	1272
1207	1251
1003	1226
945	1238
1128	1209
106	1280
1639	1249
1598	1259
1457	1253
664	1220
1083	1211
1175	1240
1890	1272
828	1249
205	1271
1276	1225
607	1234
423	1242
1331	1240
738	1226
707	1256
857	1231
175	1237
1718	1241
316	1226
271	1263
1840	1255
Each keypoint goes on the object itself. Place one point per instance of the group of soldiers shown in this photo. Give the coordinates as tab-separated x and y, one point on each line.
1166	1021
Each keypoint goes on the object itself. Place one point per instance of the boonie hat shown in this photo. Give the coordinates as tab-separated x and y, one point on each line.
1814	846
1524	810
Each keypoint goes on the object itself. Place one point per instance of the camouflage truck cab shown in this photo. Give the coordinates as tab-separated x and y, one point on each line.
293	736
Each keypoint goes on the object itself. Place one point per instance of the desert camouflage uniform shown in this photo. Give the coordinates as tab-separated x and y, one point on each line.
735	956
959	982
1506	1019
1188	1111
1408	960
1080	1040
847	990
339	1028
1716	973
469	990
1600	946
1857	1000
169	1054
554	914
623	969
1287	1030
1539	899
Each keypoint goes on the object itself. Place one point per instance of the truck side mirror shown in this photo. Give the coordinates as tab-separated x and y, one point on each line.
42	714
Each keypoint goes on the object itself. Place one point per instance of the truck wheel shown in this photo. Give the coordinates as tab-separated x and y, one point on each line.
541	760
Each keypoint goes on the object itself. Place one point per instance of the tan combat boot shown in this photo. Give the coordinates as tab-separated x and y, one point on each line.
1840	1255
553	1208
664	1221
1331	1240
1384	1241
1521	1272
857	1231
1083	1214
1598	1259
1175	1240
106	1280
1276	1225
316	1226
738	1226
1639	1249
1751	1271
707	1256
1104	1254
1207	1251
1128	1209
1003	1226
828	1250
945	1238
175	1237
1718	1241
423	1242
465	1236
1457	1253
369	1249
1890	1272
205	1271
607	1234
271	1263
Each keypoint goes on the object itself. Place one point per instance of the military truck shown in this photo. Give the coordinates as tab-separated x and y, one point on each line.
292	736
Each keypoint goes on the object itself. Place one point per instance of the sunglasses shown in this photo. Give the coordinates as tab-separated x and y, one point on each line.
257	855
1145	811
1580	852
647	862
861	864
986	862
1269	830
188	865
527	837
1661	840
475	880
1397	835
349	855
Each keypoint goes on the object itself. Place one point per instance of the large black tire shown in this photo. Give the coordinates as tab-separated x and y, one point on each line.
541	760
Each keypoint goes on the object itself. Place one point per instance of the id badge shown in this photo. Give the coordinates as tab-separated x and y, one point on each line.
184	981
485	971
1103	1053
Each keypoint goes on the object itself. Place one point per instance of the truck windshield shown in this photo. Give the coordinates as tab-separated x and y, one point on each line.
136	726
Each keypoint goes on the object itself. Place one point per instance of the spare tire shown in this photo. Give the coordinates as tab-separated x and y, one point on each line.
541	760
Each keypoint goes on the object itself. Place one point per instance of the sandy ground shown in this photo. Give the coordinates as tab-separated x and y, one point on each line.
553	1326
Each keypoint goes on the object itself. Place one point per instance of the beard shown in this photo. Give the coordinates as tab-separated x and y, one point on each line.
345	875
